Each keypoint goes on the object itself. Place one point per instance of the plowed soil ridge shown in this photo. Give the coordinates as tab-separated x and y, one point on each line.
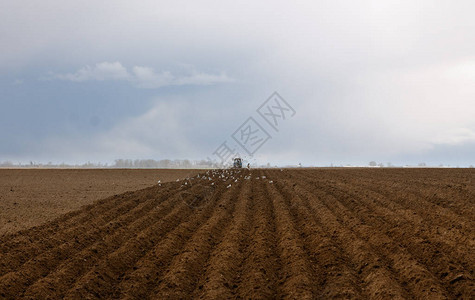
259	234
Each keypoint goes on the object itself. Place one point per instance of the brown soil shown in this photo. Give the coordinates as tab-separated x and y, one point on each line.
296	234
30	197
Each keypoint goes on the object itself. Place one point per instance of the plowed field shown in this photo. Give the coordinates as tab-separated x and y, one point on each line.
259	234
31	197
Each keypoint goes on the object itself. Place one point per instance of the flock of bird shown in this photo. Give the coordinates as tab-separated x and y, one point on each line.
211	177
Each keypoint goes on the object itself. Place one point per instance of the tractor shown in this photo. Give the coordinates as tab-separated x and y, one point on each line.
237	163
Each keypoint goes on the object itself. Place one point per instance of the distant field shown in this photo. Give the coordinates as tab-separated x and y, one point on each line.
259	234
29	197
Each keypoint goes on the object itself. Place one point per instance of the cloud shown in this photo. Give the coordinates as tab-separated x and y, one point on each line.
160	132
141	77
100	72
369	80
145	77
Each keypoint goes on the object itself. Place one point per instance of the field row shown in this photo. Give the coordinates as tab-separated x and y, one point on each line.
299	234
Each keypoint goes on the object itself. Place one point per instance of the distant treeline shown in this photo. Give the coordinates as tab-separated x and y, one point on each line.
121	163
181	164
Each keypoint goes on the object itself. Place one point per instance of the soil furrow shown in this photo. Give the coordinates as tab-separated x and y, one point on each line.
417	278
64	276
434	201
68	220
147	271
335	233
447	231
297	277
15	283
261	264
82	234
418	222
221	276
448	196
336	278
183	273
105	276
378	281
432	259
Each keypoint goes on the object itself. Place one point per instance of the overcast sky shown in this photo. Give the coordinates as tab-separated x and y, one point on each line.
390	81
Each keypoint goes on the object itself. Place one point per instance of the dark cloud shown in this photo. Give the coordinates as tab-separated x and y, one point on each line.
369	80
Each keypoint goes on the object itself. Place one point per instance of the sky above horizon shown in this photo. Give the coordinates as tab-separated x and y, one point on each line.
385	81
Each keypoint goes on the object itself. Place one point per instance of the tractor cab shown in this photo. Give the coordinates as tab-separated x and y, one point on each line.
237	163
